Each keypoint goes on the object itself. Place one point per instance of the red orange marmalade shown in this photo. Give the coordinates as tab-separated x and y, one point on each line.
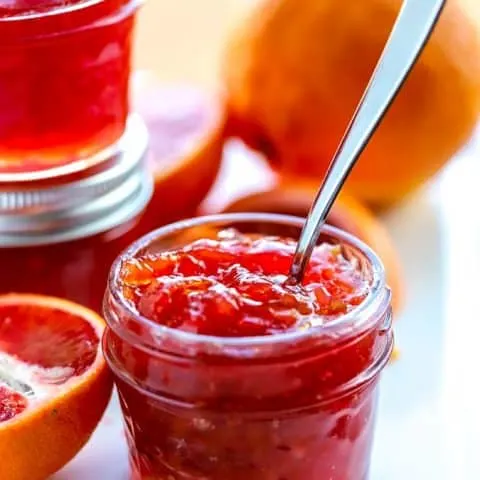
63	79
237	286
227	371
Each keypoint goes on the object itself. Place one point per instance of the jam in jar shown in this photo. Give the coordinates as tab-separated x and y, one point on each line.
60	234
226	370
64	79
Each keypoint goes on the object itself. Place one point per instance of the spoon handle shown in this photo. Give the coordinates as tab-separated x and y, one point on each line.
410	33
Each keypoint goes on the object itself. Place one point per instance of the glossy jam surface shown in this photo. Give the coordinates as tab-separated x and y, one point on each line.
278	411
63	80
236	286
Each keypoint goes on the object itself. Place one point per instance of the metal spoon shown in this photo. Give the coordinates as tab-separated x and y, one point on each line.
410	33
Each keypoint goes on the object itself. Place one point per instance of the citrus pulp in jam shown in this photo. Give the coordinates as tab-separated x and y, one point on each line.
248	380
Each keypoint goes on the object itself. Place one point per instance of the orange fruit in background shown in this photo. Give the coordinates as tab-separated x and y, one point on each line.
296	70
347	213
186	127
54	383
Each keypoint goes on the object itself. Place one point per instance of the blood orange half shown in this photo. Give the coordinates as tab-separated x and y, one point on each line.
54	383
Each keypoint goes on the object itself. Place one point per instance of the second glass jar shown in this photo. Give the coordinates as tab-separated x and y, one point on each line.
64	79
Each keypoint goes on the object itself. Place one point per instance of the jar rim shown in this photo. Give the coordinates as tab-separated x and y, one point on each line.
375	304
58	10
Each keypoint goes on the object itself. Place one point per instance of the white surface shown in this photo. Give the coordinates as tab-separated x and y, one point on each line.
429	419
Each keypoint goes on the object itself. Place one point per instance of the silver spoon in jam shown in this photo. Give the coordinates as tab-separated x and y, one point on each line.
408	38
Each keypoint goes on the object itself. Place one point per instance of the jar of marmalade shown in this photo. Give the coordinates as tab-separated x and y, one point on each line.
227	371
64	76
61	229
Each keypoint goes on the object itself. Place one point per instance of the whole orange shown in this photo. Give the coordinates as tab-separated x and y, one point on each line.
296	70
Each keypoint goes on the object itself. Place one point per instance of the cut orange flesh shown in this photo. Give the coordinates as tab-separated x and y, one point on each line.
54	383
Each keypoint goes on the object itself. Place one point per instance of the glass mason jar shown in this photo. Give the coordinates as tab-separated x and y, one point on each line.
64	77
296	406
60	231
